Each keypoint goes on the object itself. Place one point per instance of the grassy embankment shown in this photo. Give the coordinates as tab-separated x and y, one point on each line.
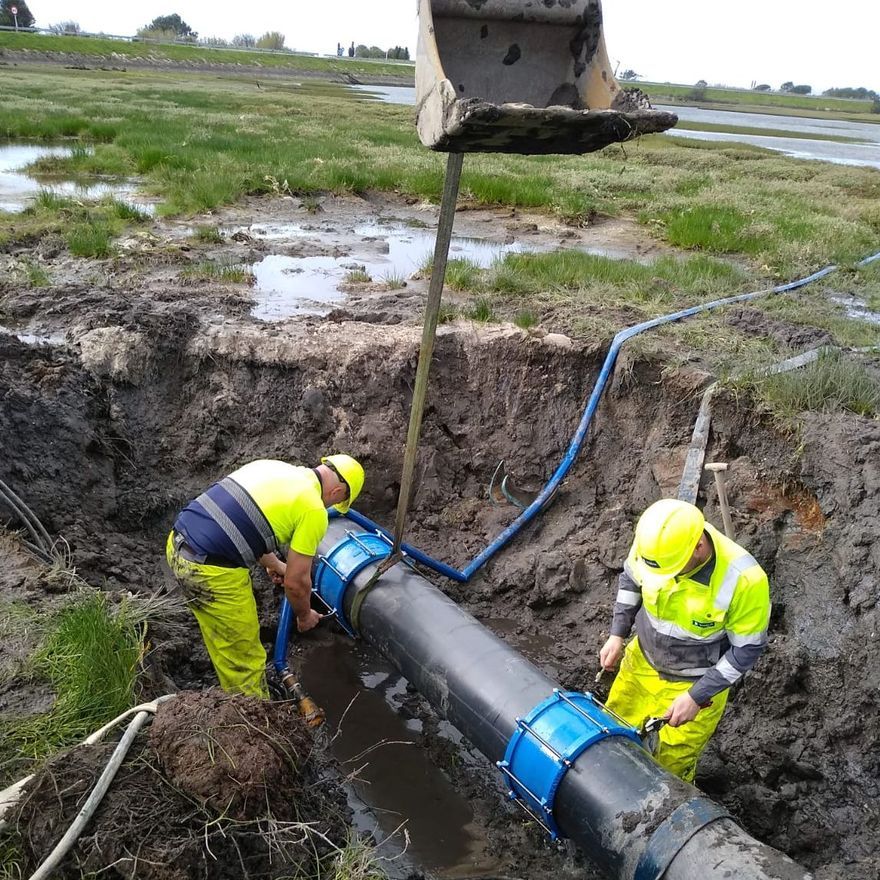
816	106
739	217
120	51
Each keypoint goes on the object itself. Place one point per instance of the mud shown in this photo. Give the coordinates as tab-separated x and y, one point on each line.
220	787
161	387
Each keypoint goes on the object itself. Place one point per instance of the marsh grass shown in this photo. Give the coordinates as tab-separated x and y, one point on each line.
358	276
90	238
482	310
834	383
37	276
201	142
208	235
525	319
127	212
89	656
228	273
394	281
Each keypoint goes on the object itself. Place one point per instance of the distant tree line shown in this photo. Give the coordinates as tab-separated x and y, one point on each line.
399	52
861	92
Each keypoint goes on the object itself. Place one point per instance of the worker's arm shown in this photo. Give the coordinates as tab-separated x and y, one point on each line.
626	606
275	568
298	589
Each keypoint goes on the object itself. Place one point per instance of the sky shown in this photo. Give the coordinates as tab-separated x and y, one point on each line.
731	42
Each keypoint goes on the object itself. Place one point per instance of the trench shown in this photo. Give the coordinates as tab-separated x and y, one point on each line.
132	425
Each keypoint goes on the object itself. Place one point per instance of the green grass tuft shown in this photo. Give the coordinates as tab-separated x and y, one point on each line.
481	310
90	238
358	276
89	657
834	383
525	319
229	273
208	234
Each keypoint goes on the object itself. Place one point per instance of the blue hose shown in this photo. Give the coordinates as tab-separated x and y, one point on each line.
580	434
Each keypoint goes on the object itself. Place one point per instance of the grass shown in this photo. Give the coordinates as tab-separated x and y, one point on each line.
358	276
90	238
481	310
199	143
89	657
768	102
394	281
184	53
228	273
208	235
37	276
834	383
525	319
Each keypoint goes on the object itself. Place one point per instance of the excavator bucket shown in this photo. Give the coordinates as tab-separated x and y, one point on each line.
522	76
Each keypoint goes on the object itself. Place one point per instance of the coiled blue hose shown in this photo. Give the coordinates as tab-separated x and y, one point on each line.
577	441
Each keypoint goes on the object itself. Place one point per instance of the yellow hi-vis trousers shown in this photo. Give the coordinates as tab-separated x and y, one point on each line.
638	693
223	602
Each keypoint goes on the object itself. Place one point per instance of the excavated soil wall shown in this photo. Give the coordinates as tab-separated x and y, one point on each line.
107	437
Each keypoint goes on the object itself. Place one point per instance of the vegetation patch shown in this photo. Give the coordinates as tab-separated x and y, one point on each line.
89	657
834	383
199	143
228	273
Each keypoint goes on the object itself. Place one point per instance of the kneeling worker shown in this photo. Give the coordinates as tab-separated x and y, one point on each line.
238	522
701	607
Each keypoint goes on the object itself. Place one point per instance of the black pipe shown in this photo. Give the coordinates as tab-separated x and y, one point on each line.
631	817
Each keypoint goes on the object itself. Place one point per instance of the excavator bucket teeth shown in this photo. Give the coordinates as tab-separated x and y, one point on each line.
522	76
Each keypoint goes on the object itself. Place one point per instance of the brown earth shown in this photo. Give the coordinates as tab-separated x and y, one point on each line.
222	787
160	388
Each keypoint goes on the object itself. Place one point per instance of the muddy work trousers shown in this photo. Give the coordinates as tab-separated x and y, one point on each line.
638	693
222	600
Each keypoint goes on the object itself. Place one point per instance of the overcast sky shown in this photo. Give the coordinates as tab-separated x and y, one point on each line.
735	42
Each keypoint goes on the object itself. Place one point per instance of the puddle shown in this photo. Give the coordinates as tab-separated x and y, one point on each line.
34	339
397	784
287	286
857	308
18	188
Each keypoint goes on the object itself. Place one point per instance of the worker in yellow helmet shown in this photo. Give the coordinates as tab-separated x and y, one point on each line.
240	521
701	606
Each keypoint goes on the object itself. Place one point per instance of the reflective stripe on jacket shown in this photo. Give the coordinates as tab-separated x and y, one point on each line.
710	626
261	507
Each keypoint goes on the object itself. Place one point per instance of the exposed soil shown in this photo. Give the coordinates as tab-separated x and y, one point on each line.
160	388
222	787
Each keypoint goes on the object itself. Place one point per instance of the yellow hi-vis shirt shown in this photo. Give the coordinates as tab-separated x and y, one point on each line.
289	497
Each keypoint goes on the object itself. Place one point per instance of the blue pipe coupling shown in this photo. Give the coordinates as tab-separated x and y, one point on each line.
547	742
335	571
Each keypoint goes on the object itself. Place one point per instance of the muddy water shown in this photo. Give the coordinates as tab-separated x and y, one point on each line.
387	252
19	188
398	791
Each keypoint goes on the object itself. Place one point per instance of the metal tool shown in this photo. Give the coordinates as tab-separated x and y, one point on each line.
649	733
311	712
719	469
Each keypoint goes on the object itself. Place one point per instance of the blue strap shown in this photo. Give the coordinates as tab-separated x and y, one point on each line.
674	832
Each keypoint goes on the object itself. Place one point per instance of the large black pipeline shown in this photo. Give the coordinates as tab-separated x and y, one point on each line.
631	817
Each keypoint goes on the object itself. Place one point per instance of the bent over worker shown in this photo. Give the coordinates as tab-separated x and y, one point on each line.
263	507
701	606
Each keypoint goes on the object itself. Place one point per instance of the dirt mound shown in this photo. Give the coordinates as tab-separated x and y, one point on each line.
233	754
223	786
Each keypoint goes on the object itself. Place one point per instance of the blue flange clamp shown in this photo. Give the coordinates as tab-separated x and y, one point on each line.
545	745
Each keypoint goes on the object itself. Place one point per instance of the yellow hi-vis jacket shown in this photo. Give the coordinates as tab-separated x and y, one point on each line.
709	626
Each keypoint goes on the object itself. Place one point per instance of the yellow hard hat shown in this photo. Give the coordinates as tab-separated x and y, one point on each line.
351	473
667	535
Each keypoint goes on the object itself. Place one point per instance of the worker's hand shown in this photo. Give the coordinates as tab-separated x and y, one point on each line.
682	710
308	621
277	578
611	652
